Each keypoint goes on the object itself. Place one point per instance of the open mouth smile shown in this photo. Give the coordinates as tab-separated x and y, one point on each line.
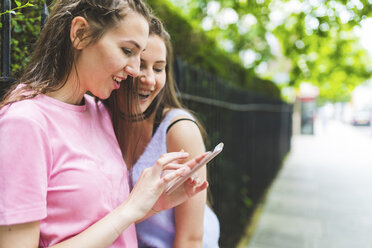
143	95
118	80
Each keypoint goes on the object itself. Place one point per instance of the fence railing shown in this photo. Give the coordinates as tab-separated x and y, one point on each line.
256	131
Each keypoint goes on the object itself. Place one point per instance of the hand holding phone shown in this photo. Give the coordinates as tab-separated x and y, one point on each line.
207	159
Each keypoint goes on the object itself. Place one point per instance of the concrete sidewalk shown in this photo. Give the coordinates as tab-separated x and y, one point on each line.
322	197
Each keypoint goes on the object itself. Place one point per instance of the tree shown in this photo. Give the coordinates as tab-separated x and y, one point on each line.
291	42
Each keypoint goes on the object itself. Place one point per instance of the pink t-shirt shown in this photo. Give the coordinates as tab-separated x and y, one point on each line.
60	164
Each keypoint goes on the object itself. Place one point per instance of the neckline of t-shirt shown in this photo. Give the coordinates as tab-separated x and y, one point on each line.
64	105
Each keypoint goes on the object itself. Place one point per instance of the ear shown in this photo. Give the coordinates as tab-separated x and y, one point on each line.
79	27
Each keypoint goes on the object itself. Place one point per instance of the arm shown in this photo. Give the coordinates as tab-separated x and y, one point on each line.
189	216
101	234
21	235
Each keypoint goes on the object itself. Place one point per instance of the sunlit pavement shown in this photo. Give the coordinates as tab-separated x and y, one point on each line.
322	197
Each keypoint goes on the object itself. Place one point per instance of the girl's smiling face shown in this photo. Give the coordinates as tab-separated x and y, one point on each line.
102	66
152	76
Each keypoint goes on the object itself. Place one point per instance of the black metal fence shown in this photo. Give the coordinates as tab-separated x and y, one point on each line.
5	44
256	131
6	78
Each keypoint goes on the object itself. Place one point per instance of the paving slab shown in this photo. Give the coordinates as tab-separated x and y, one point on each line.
322	197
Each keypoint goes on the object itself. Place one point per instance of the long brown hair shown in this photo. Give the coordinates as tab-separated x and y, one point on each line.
125	116
54	57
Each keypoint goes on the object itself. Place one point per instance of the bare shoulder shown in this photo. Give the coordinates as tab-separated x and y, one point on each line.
184	134
183	125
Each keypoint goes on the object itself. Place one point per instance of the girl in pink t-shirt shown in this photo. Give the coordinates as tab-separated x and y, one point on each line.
63	181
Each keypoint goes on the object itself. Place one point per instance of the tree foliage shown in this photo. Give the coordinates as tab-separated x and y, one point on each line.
316	39
191	44
19	6
288	42
194	45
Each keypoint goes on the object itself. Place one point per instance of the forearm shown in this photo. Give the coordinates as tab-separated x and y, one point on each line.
99	235
182	241
151	213
189	218
104	232
189	229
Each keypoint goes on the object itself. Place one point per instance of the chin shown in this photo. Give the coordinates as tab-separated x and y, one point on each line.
103	95
143	106
142	109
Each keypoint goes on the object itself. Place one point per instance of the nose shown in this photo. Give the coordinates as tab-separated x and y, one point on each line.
147	76
133	66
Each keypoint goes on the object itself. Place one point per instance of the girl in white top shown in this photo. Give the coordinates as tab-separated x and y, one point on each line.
164	126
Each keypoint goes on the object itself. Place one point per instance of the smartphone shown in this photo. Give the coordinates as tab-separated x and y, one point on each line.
205	160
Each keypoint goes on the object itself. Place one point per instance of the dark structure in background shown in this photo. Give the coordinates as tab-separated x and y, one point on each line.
5	78
308	111
255	129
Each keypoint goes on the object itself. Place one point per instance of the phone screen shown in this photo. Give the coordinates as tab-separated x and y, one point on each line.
207	158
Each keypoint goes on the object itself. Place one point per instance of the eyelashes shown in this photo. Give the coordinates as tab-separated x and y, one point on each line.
127	51
155	69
